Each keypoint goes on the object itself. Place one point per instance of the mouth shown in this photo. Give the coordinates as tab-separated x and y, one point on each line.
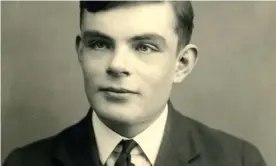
117	90
115	94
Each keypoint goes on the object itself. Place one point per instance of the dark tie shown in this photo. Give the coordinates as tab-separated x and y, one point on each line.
125	157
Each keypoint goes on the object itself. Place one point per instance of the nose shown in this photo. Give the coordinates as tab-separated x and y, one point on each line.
118	66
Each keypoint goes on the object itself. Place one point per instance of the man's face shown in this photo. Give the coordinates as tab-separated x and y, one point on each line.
128	57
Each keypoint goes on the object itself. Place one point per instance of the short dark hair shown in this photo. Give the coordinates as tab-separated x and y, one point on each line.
183	12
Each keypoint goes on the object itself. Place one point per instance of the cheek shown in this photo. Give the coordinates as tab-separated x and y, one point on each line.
157	75
93	66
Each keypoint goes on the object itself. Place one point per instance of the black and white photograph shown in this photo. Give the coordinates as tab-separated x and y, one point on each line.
138	83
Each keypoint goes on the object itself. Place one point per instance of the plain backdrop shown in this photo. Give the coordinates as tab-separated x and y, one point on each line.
232	88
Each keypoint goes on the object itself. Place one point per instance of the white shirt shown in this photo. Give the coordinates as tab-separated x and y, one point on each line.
143	155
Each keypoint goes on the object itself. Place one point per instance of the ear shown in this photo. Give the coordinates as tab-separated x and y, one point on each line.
186	60
78	46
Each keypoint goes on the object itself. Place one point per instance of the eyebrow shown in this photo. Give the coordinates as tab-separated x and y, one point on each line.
141	37
96	34
149	36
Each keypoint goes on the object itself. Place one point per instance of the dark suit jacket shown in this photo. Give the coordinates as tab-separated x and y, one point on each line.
186	142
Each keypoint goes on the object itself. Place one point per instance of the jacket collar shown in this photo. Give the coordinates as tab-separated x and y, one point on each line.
181	144
76	145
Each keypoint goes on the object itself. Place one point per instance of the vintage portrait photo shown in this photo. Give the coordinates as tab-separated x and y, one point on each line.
138	83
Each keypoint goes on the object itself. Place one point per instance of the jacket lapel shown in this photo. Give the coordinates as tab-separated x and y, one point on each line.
180	145
76	146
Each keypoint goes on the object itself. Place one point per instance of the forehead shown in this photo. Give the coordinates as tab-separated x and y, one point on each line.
127	21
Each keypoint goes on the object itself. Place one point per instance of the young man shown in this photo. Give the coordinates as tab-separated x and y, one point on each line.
131	54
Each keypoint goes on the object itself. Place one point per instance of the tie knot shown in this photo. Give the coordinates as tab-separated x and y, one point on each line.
128	145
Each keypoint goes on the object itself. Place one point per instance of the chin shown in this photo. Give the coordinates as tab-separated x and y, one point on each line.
129	111
118	113
127	120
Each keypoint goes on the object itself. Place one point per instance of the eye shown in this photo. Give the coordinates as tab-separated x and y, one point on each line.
146	48
99	45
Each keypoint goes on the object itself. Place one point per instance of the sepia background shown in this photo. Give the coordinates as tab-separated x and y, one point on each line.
232	88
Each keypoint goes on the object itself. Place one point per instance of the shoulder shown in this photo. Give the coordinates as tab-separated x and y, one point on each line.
218	144
39	151
42	152
35	152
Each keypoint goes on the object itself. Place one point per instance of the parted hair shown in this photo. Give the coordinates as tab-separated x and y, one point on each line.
183	11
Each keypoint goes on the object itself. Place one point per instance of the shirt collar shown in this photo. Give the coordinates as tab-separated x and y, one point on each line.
149	140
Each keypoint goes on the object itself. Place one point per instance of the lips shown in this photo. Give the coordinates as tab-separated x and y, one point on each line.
116	90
